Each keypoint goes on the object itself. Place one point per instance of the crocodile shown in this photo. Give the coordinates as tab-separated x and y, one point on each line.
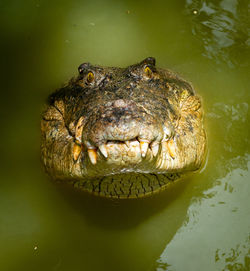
123	132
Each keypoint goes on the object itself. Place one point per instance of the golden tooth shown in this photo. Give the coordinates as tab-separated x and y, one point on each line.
103	150
77	142
92	155
171	148
76	151
144	148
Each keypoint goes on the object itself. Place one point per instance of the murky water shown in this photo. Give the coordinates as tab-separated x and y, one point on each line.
201	223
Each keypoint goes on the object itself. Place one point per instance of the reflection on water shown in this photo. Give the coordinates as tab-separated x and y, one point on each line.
231	121
223	28
218	221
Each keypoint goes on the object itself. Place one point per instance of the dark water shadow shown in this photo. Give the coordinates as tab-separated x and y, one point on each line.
221	28
121	213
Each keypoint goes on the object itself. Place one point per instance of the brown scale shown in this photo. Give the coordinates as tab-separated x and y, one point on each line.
123	132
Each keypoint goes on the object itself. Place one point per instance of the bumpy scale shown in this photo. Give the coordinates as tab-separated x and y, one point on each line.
122	132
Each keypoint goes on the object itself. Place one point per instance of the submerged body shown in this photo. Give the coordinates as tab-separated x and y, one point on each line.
123	132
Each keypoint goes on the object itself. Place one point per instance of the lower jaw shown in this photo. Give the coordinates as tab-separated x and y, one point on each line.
120	161
128	185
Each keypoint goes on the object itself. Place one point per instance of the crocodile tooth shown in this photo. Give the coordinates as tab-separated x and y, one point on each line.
144	148
171	148
103	150
92	155
155	149
76	151
167	133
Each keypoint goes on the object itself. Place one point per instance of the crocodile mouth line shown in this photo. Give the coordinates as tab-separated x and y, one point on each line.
133	147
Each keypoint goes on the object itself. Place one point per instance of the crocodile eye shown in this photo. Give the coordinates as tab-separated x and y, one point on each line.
90	77
83	67
148	72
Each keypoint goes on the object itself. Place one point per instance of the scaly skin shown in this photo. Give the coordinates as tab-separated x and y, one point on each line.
123	132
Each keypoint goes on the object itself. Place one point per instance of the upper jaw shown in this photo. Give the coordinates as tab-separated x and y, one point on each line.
141	153
124	135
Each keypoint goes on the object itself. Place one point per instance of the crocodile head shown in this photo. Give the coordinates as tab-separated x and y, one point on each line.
123	132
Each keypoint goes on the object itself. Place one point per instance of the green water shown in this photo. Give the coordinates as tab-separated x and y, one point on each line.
201	223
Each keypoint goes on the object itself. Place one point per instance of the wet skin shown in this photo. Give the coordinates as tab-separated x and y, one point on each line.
123	132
